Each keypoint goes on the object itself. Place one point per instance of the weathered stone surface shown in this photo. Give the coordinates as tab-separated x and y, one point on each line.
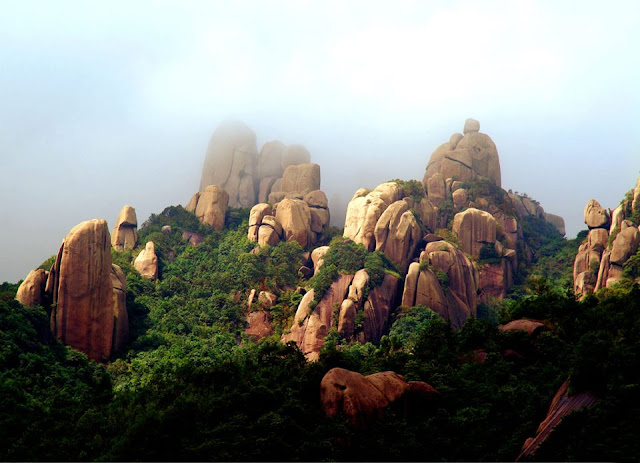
475	229
346	320
588	260
378	306
120	315
584	283
625	244
462	159
125	232
317	257
530	326
556	221
256	215
295	218
230	163
397	234
428	213
258	325
561	406
435	188
635	203
364	210
596	216
147	262
460	198
266	186
210	206
301	178
192	238
462	279
268	235
82	291
362	399
310	328
167	230
319	219
32	289
471	125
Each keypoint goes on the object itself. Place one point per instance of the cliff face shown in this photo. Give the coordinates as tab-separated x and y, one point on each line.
613	239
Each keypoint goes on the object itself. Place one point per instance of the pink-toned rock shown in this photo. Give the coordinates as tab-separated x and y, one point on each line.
256	215
147	262
210	206
346	320
295	218
378	306
428	213
258	325
317	257
82	291
397	234
32	289
194	239
561	406
125	232
530	326
475	229
625	243
435	188
596	216
556	221
460	198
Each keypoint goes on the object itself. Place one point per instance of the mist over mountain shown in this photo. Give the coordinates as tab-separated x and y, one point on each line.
114	104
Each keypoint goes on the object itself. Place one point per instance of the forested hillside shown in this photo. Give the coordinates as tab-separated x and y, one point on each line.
191	385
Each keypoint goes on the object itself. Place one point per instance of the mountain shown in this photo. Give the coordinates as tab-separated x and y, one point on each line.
446	321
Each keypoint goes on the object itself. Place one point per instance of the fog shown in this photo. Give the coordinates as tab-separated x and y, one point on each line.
113	103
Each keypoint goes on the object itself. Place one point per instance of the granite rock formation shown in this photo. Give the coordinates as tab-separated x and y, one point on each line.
125	233
210	206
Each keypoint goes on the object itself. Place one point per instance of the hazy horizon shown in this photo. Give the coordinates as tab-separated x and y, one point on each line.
113	104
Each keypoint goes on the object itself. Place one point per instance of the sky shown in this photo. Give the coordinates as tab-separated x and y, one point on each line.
112	103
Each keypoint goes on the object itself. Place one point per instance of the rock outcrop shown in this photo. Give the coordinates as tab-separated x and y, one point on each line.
596	216
84	292
147	262
561	406
294	217
362	399
230	163
556	221
443	267
382	220
125	233
467	157
80	282
210	206
32	289
475	229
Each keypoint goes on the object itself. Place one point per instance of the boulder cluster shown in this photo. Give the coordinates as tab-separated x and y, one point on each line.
84	292
232	162
612	239
210	206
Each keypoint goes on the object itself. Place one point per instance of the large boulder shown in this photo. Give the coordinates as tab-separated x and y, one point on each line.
468	158
397	234
82	291
210	206
147	262
295	218
230	163
270	160
475	229
301	178
588	261
256	215
596	216
125	233
625	243
293	155
362	399
32	289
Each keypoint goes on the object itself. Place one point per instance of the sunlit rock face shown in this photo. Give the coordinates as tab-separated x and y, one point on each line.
230	163
463	158
210	206
125	233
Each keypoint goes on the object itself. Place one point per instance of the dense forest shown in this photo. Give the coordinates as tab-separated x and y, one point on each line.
192	386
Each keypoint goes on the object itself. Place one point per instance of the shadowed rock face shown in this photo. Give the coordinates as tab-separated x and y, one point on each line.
125	233
120	316
230	163
362	399
80	282
475	228
561	406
